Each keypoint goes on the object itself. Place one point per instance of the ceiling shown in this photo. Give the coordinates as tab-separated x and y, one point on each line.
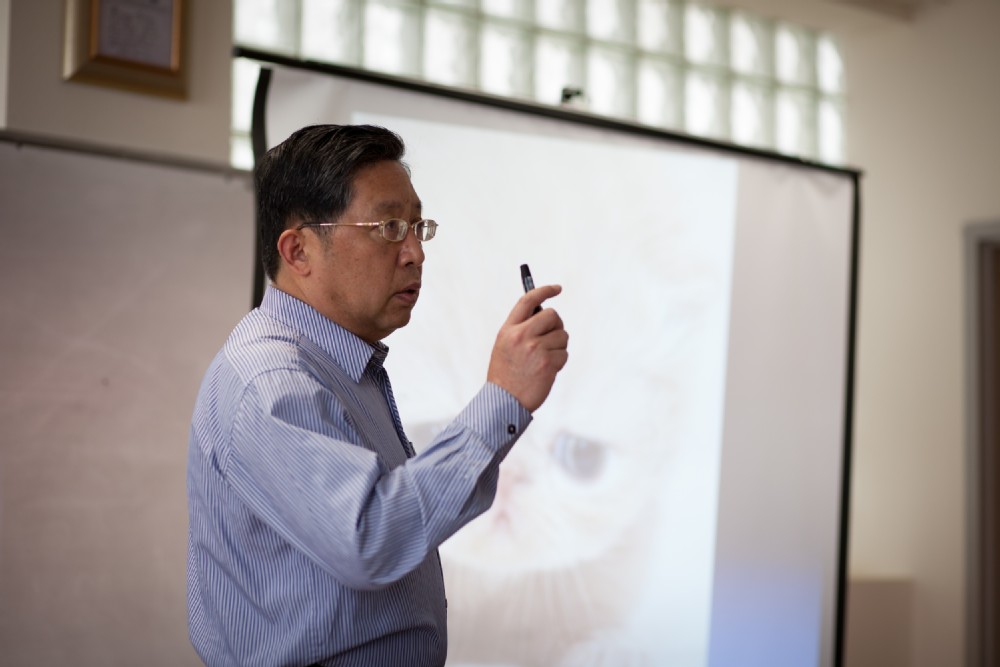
900	9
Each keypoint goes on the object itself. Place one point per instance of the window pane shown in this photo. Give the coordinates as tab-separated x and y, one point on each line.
829	66
659	93
794	55
795	122
505	61
450	48
330	31
751	50
560	14
705	35
706	69
609	82
831	131
467	4
266	24
753	114
514	9
391	38
660	25
559	64
245	73
706	109
240	151
612	20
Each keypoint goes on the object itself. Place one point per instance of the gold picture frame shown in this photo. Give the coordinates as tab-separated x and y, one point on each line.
134	45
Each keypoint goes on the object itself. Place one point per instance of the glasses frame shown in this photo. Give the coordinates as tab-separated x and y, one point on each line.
430	227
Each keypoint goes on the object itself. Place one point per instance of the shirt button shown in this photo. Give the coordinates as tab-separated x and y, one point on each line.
511	429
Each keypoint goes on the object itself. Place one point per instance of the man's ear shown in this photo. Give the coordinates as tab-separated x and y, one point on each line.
294	251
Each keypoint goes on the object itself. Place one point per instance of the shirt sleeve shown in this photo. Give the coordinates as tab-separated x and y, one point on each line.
293	461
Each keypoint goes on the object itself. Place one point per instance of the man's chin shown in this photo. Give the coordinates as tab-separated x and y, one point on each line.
399	321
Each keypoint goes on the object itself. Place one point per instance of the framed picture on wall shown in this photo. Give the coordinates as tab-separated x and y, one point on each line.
135	45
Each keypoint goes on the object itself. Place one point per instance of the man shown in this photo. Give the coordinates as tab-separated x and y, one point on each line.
313	525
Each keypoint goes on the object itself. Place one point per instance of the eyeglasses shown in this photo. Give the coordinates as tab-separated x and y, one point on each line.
394	229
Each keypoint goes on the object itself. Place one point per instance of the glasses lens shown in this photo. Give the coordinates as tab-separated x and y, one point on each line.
394	230
425	230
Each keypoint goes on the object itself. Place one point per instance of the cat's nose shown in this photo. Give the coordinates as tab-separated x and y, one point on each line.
511	476
513	472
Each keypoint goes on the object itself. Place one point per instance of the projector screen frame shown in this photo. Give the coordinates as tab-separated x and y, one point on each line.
259	143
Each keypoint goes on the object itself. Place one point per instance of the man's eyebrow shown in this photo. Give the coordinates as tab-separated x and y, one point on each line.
389	205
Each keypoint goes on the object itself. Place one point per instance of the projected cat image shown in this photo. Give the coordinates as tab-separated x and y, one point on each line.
554	571
562	568
598	549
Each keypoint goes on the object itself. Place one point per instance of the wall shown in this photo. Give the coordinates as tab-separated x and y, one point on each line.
39	101
924	123
114	298
119	280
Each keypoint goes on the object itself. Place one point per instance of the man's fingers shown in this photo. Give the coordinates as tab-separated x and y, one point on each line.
547	328
557	339
525	306
530	349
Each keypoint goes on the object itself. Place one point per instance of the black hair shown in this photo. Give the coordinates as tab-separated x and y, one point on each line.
310	176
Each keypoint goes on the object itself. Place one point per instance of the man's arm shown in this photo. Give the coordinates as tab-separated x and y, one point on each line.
301	473
338	503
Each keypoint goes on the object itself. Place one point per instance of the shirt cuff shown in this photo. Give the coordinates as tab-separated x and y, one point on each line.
496	416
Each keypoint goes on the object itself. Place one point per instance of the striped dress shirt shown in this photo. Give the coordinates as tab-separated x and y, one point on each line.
313	526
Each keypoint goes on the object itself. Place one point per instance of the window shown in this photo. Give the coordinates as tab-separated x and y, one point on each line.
680	66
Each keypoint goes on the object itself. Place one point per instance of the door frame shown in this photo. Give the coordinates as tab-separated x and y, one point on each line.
982	276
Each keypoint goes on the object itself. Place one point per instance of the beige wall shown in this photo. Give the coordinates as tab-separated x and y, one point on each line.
922	123
39	101
114	299
118	282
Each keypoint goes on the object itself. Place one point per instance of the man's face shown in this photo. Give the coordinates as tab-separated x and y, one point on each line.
362	282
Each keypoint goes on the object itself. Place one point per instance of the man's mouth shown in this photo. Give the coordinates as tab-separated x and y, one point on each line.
409	293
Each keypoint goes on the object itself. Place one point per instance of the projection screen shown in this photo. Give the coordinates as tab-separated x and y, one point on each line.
679	499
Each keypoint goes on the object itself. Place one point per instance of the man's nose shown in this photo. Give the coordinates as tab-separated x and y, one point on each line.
412	251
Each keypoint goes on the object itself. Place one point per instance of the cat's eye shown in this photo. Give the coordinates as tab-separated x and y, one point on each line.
581	458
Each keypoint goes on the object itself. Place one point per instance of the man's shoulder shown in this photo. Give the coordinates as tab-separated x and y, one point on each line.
260	343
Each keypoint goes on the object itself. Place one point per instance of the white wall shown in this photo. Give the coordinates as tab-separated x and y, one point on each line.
924	123
39	101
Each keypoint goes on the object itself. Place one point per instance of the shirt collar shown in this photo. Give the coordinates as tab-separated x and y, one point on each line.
351	352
